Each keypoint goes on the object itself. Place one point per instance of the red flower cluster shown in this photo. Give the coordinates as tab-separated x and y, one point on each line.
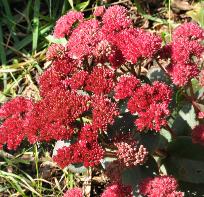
117	190
104	111
115	19
55	51
13	129
86	150
75	192
159	187
99	11
82	91
77	80
83	40
100	81
151	105
126	86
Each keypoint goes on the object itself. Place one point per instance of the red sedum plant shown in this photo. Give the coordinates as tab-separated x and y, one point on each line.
131	124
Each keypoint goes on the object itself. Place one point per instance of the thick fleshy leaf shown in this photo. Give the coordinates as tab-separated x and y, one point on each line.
192	190
152	140
122	124
185	120
185	160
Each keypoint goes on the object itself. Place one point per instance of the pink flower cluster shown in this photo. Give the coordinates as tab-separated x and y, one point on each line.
129	152
161	186
75	192
184	52
65	23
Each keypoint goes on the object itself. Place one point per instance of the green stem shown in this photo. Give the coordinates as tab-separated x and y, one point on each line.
35	152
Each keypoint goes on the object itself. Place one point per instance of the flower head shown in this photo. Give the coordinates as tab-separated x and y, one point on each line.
117	190
104	111
115	19
188	30
75	192
64	24
160	186
126	86
129	152
99	11
151	105
100	81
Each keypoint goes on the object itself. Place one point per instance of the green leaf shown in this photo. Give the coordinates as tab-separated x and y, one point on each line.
52	39
185	160
133	176
152	141
36	24
191	189
71	3
197	14
82	6
185	120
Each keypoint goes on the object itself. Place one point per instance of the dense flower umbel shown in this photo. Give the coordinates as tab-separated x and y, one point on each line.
129	152
104	111
198	134
77	80
75	192
188	30
181	73
126	86
117	190
151	105
83	40
135	43
55	51
99	11
82	91
13	129
65	23
115	19
86	150
100	81
184	51
161	186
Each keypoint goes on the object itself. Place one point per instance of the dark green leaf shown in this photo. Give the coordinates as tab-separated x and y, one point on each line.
185	120
185	160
